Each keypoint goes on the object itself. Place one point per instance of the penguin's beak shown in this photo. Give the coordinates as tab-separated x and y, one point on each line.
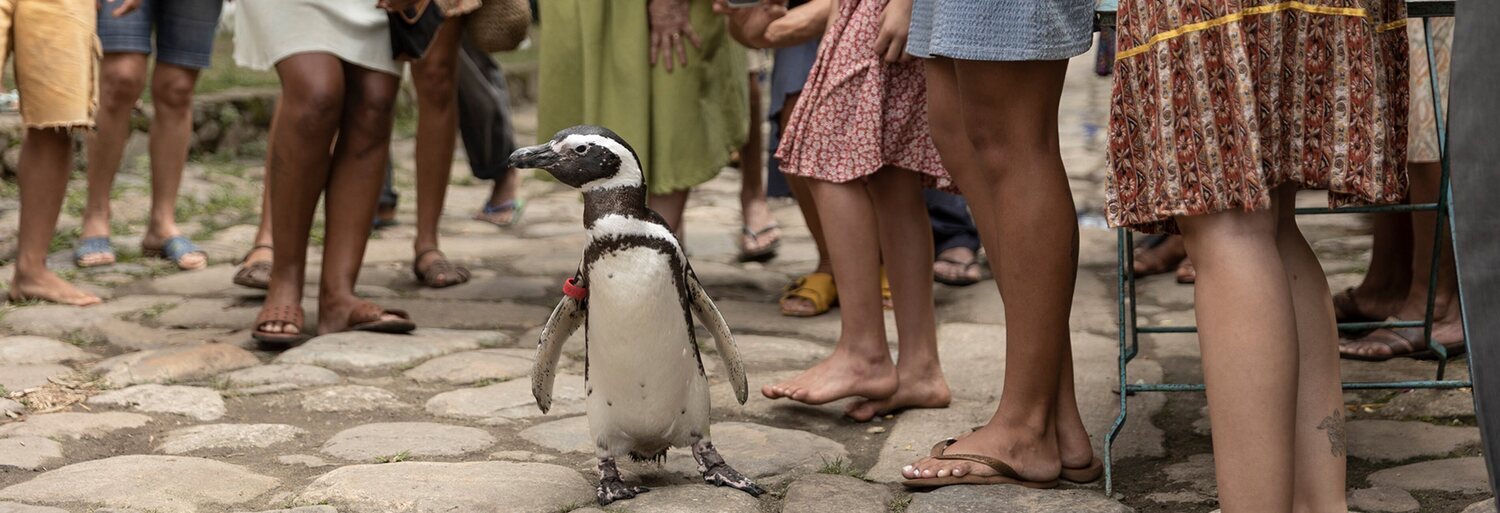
540	156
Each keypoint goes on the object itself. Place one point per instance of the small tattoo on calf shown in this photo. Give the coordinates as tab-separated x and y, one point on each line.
1334	425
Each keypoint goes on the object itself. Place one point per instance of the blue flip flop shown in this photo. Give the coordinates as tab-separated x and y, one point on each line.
518	207
90	246
174	250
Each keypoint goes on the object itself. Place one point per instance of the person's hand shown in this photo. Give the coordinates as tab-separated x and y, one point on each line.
125	7
396	5
895	23
671	23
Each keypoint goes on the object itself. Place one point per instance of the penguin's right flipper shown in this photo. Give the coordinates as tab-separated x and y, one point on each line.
709	315
566	318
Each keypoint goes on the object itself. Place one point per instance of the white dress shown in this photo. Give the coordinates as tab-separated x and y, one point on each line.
267	31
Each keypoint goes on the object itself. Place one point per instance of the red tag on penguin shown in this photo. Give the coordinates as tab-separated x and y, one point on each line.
572	290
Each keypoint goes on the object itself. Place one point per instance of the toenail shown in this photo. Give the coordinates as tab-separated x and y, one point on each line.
942	473
927	473
959	472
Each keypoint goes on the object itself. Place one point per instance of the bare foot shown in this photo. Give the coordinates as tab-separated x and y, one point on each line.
957	266
1034	457
48	286
839	376
1159	255
924	389
334	314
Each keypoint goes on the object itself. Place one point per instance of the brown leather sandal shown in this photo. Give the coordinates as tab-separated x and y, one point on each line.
1007	475
285	314
451	274
368	316
1400	342
255	275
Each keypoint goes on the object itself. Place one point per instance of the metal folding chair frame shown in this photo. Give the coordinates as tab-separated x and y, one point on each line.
1130	330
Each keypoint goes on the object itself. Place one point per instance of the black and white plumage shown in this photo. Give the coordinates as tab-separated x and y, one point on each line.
647	390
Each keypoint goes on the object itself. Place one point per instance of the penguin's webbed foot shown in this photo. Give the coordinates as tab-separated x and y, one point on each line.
718	473
611	490
611	487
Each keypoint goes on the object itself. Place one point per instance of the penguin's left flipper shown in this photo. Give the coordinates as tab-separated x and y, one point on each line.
709	315
566	318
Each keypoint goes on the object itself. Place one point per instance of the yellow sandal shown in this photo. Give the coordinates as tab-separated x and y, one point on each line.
817	288
885	291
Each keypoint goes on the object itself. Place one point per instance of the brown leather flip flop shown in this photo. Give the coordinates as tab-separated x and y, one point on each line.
1401	342
1007	475
1084	475
367	316
286	314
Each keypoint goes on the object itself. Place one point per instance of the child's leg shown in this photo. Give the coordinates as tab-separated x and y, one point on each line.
1320	462
671	206
861	362
906	244
1247	332
46	158
122	81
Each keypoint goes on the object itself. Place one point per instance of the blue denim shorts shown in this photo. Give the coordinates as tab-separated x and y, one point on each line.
184	30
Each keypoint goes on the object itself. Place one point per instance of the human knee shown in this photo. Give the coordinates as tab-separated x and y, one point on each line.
314	106
122	85
436	86
175	92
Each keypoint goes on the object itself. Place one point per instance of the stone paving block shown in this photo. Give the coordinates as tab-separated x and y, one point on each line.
496	288
1012	499
278	378
1389	440
693	498
57	321
29	452
1484	506
818	493
22	377
305	509
25	349
350	398
413	439
74	425
176	364
135	337
1383	500
151	483
16	507
745	447
197	402
426	487
1464	475
359	351
471	367
228	436
11	409
759	350
511	400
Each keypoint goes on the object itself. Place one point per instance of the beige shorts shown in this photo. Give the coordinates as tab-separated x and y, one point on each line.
57	60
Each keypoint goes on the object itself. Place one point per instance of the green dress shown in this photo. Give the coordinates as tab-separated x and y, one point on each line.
596	69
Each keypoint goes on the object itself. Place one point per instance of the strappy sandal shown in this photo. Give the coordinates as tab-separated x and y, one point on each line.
451	274
765	253
174	250
90	246
1402	342
368	316
1346	309
255	275
816	288
285	314
515	206
1006	474
963	280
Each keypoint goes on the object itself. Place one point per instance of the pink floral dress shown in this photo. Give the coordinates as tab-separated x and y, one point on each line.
857	113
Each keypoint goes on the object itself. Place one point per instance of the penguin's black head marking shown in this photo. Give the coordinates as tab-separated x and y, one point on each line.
585	157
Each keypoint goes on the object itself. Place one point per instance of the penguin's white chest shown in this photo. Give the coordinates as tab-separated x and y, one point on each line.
646	390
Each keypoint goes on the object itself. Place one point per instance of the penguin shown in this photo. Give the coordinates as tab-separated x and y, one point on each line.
636	296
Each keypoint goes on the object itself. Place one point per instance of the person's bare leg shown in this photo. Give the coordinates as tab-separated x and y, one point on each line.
308	115
1011	173
354	184
171	134
435	76
906	245
755	212
1248	335
46	159
1320	443
861	362
122	79
261	250
1387	282
670	206
809	208
502	190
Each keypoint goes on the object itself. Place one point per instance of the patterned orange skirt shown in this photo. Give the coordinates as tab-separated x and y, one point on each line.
1218	102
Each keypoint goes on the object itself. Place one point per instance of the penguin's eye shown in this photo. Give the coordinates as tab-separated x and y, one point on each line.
581	149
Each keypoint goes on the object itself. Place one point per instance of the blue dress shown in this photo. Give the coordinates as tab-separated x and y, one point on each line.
1001	30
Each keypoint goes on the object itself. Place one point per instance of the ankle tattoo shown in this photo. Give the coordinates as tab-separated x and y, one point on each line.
1334	425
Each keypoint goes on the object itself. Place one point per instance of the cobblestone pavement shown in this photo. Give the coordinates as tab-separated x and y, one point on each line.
157	401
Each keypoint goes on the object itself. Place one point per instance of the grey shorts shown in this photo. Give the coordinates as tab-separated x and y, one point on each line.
184	30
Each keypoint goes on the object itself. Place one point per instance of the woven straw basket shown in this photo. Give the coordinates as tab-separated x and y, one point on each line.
499	25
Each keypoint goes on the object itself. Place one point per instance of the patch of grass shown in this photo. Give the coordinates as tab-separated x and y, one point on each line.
3	391
841	467
154	312
82	339
65	239
900	504
226	206
394	458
